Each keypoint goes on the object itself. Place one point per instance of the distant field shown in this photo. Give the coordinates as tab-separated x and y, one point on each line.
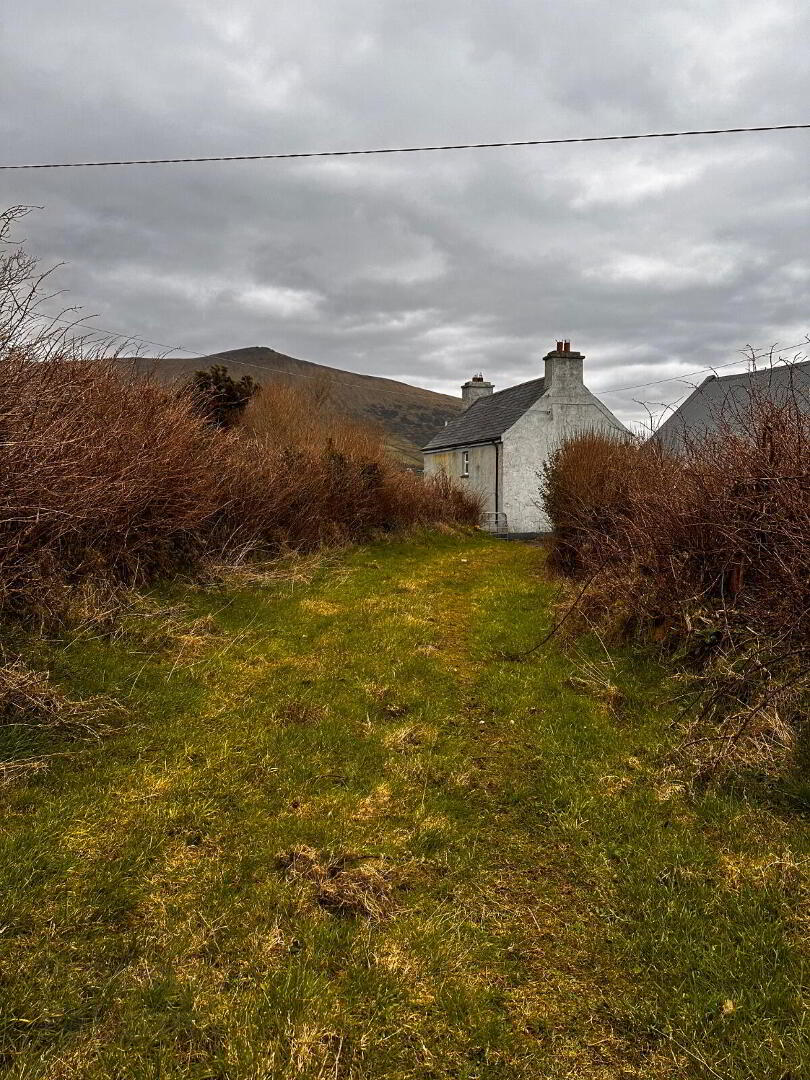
409	415
336	835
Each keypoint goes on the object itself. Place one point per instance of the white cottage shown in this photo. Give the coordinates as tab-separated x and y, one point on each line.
499	443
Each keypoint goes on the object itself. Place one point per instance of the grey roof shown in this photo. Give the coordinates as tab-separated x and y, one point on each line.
724	400
488	417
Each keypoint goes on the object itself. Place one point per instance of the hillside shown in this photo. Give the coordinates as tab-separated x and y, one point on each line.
409	415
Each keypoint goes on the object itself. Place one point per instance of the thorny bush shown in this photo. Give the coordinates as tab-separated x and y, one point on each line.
708	554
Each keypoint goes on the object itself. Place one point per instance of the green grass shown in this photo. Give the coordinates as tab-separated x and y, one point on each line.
527	893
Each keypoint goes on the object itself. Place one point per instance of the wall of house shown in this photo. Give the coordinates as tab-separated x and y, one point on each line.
533	438
482	466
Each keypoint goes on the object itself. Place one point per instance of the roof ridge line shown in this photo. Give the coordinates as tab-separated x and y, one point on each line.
515	386
487	418
781	365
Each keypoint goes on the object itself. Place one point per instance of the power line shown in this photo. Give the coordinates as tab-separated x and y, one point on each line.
711	367
303	375
405	149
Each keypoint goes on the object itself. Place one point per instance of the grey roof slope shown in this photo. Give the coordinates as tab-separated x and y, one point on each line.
720	399
488	417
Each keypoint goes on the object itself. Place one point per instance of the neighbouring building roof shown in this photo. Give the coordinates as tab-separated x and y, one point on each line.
488	417
724	400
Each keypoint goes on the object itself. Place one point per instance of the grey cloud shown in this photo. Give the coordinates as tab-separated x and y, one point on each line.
656	258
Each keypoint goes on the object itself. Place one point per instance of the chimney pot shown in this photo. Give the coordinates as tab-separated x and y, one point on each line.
475	388
563	372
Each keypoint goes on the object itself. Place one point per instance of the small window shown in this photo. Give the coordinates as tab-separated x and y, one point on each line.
465	462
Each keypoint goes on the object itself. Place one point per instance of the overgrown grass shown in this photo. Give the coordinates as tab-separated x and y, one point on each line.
339	837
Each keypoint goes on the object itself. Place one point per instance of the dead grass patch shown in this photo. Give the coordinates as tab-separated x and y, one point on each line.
120	613
782	871
613	785
375	804
395	957
409	737
386	700
426	650
596	678
171	631
29	700
291	569
320	607
349	884
297	713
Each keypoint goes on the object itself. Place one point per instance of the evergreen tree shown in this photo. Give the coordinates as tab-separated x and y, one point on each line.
219	398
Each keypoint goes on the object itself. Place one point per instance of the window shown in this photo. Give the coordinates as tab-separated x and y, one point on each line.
465	462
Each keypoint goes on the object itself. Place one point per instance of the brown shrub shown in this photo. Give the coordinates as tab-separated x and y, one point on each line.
333	479
100	474
706	553
590	491
105	476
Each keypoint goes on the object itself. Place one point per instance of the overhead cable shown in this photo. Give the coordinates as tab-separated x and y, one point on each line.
298	155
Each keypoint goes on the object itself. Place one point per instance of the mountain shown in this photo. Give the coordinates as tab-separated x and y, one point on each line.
409	415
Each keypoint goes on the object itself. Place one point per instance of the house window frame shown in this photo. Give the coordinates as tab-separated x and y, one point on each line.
465	464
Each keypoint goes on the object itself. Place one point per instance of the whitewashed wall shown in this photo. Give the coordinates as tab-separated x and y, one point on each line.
552	419
482	465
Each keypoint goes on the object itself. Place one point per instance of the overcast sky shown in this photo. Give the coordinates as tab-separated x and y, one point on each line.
655	258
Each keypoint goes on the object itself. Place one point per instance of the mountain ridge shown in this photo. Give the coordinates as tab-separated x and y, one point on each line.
409	415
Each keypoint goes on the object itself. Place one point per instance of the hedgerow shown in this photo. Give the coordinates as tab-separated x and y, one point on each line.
707	554
107	476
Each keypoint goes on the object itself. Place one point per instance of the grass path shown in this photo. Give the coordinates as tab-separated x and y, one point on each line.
341	838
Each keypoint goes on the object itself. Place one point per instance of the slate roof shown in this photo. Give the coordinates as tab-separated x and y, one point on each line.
488	417
720	399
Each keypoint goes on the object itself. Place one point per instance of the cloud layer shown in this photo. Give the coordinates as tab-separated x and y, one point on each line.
656	259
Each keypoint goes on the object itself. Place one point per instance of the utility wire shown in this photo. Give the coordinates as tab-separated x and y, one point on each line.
405	149
712	367
303	375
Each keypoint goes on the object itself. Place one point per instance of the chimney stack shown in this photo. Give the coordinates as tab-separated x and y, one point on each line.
563	369
475	388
